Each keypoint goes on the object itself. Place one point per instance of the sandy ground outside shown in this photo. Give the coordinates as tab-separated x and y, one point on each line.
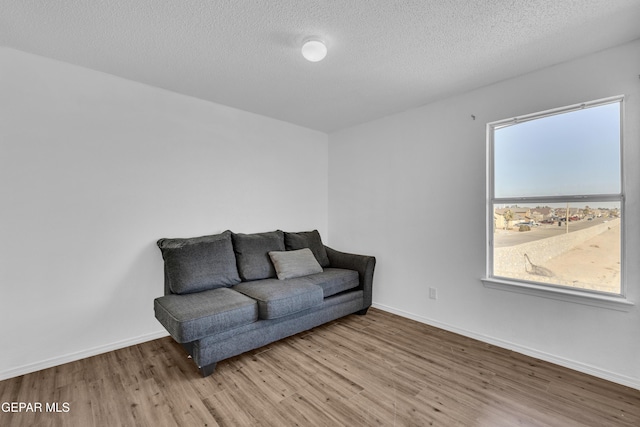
594	264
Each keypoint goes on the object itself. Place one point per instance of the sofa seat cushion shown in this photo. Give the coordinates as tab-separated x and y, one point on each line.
193	316
278	298
335	280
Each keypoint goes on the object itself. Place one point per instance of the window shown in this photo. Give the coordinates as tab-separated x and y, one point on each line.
555	199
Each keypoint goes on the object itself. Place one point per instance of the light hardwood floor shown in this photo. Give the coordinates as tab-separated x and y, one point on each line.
373	370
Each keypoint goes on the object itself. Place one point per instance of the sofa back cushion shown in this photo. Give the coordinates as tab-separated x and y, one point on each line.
308	239
252	253
199	263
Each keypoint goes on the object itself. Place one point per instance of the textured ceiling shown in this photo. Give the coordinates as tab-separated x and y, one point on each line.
384	56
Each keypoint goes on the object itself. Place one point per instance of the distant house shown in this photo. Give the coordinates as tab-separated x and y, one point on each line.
501	221
543	213
562	212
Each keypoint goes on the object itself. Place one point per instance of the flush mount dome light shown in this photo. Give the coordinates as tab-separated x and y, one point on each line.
314	50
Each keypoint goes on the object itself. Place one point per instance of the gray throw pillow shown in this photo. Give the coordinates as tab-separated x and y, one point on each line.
308	239
298	263
199	263
252	253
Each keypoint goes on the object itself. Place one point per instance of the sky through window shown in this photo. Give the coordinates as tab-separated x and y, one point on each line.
574	153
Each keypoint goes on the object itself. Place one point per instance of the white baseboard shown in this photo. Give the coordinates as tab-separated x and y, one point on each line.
72	357
547	357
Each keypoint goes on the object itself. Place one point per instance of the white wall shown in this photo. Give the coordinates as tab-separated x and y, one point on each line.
94	169
410	189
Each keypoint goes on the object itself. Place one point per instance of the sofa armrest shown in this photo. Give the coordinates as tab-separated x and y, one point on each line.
363	264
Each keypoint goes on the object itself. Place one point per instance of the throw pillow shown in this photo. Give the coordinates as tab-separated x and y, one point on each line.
297	263
199	263
308	239
252	253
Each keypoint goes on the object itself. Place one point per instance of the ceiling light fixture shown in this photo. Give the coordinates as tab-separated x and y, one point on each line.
314	50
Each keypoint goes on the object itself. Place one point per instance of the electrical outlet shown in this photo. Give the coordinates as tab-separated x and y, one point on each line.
433	293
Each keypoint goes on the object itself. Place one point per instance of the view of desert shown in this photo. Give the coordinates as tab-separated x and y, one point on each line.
583	254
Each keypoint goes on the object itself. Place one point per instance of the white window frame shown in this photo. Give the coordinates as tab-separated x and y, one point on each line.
576	295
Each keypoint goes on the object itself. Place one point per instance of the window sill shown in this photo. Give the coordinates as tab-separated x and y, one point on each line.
610	302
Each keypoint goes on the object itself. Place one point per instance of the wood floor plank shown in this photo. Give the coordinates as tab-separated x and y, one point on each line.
376	410
227	411
373	370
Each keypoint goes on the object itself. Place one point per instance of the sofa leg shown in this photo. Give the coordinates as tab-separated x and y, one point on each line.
207	370
362	312
188	347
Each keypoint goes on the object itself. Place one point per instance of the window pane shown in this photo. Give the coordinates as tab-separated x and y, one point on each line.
574	153
537	244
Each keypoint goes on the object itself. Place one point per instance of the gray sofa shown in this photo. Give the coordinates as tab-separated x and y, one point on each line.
229	293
